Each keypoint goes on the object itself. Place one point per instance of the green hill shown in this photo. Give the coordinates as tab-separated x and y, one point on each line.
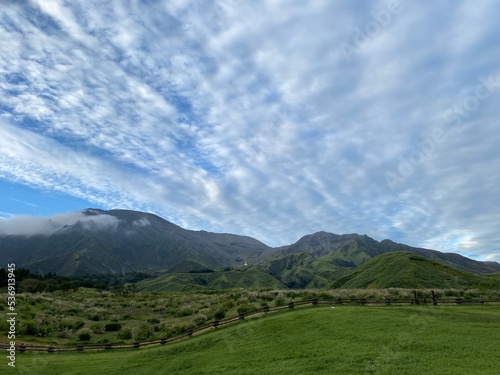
302	270
408	270
248	278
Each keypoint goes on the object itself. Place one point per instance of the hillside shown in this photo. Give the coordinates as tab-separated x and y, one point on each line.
409	270
95	241
351	250
120	241
247	278
302	270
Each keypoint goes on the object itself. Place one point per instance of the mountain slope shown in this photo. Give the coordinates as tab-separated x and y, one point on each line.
409	270
351	250
249	278
95	241
302	270
130	241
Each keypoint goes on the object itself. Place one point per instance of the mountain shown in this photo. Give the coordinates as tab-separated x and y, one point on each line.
351	250
409	270
120	241
95	241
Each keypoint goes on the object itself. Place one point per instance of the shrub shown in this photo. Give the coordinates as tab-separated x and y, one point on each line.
126	334
200	319
97	328
112	327
279	301
245	308
94	317
219	315
29	328
143	332
84	336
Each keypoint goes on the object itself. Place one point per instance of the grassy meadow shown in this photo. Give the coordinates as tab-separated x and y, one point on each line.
461	339
87	316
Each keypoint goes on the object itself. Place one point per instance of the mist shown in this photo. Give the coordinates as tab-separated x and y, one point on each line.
31	225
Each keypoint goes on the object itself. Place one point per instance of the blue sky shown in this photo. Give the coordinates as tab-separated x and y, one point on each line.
262	118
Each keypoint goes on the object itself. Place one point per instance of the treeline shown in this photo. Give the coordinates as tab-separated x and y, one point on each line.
50	282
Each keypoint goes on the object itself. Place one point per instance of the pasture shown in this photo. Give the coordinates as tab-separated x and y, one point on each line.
463	339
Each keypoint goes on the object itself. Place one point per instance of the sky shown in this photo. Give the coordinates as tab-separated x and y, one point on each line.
270	119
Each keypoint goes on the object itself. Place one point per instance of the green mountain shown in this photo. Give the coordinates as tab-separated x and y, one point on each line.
95	241
302	270
247	278
409	270
351	250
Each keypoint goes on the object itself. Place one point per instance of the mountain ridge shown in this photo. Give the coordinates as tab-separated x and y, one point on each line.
96	241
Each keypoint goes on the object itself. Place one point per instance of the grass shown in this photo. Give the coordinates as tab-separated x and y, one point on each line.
70	318
321	340
409	270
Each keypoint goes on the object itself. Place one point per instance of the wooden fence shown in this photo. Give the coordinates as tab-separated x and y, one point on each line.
263	310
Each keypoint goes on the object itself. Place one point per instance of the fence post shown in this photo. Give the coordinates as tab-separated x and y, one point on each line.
136	345
79	348
387	301
415	297
50	349
163	341
434	298
107	347
315	301
22	348
290	305
215	323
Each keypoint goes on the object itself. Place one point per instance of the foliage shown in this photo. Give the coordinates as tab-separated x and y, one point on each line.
112	327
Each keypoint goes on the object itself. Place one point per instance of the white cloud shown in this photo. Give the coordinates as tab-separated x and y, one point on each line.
245	117
31	225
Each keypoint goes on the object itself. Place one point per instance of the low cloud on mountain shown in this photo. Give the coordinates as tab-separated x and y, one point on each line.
31	225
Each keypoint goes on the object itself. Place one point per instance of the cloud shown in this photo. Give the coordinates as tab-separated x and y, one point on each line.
143	222
246	117
32	225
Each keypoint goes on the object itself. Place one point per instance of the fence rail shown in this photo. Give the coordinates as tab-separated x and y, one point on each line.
266	309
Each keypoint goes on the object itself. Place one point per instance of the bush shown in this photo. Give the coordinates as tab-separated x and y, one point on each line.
112	327
279	301
200	319
245	308
219	315
143	332
29	328
126	334
97	328
84	336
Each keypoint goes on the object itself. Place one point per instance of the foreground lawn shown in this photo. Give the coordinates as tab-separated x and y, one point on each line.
319	340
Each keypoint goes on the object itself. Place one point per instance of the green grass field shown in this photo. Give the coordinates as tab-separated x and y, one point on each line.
311	340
